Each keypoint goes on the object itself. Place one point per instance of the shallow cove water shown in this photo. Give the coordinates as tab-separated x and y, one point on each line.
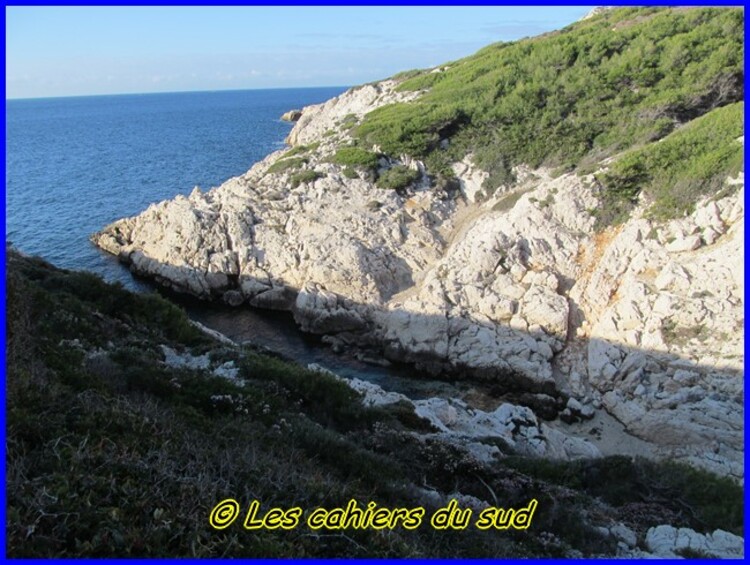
278	332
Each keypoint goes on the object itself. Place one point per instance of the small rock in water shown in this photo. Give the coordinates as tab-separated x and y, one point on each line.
291	115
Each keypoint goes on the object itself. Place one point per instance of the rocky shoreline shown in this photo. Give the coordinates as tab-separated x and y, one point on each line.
643	320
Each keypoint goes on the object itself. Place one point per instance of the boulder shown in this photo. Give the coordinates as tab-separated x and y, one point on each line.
291	115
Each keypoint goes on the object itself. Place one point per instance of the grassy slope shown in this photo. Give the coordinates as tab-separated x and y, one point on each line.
112	453
617	81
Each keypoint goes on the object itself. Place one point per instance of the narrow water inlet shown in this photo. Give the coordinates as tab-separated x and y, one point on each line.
278	332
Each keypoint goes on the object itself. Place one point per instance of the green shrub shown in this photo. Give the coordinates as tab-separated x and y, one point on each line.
702	499
287	164
304	177
350	173
397	178
299	149
355	157
408	128
348	121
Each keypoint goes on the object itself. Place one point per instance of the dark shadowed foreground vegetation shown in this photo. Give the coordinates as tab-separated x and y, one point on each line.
111	452
616	83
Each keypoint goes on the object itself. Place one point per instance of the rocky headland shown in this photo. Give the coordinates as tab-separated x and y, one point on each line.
515	283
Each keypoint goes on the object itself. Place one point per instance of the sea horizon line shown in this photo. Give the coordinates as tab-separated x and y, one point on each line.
207	91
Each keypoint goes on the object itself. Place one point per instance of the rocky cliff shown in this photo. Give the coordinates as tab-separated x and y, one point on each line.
517	286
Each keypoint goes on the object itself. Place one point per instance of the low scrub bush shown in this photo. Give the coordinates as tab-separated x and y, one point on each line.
676	172
397	178
284	165
304	177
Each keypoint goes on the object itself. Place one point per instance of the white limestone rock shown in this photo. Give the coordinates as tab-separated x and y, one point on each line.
185	360
668	541
516	426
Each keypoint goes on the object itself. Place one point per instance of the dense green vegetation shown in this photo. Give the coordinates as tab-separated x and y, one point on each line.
617	81
619	480
348	121
674	173
350	172
301	149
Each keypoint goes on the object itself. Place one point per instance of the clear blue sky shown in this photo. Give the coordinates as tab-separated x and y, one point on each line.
66	51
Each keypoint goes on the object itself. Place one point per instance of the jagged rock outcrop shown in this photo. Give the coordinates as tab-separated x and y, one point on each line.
644	320
340	113
515	427
663	326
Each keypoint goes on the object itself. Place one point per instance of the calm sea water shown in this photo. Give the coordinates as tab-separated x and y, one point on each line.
73	165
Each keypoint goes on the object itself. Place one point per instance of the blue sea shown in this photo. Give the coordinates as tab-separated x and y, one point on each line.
73	165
